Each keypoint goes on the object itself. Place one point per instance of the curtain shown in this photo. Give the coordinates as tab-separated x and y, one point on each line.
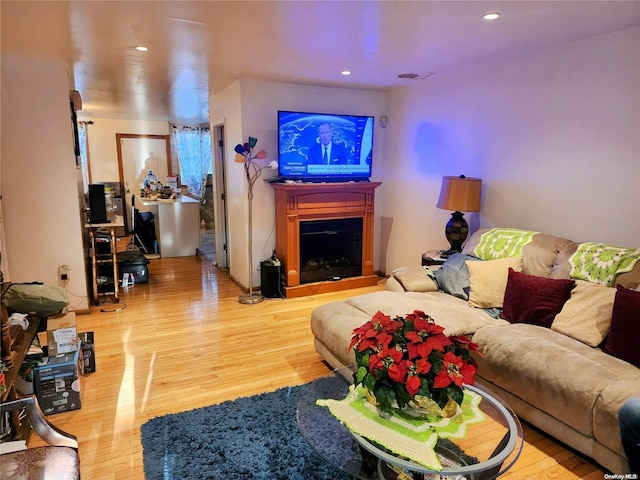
84	154
193	144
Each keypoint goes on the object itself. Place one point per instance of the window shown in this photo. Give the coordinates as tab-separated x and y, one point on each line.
193	144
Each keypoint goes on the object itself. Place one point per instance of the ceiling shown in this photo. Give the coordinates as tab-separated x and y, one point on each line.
199	48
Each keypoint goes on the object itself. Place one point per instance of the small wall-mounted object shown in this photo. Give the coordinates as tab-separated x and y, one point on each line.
383	121
76	99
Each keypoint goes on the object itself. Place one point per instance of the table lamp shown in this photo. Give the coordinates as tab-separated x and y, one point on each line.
461	194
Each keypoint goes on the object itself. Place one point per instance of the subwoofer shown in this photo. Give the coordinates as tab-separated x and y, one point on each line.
270	279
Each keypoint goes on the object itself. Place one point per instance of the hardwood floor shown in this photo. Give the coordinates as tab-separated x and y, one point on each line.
183	341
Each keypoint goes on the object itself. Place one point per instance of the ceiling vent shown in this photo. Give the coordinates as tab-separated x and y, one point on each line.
416	76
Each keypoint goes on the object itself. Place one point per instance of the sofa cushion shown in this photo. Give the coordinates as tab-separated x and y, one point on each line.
587	314
622	341
415	279
488	280
612	397
453	275
534	300
333	323
602	262
550	371
562	268
538	256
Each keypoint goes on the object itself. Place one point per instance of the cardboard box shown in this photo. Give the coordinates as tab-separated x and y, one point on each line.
56	383
62	334
88	357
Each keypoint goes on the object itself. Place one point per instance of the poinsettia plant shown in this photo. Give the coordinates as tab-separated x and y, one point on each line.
403	357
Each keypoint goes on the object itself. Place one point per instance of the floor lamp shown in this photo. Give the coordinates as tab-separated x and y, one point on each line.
244	154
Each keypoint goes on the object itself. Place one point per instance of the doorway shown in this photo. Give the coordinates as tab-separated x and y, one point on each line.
219	194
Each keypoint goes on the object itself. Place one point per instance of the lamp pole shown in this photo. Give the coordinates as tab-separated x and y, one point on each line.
251	297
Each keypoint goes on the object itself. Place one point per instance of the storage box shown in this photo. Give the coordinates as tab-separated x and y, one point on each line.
56	383
88	357
62	334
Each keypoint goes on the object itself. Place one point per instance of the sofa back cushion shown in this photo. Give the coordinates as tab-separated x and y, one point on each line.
562	268
622	341
535	300
538	255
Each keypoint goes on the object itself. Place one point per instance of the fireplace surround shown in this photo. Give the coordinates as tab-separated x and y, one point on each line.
307	211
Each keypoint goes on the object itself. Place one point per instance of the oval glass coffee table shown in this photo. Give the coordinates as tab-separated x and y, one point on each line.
488	449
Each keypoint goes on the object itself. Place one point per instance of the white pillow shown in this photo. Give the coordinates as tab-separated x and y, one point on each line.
586	316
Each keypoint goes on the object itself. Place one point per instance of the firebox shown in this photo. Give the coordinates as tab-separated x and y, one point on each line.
330	249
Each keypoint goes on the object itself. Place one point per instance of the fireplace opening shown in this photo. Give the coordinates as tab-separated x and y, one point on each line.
330	249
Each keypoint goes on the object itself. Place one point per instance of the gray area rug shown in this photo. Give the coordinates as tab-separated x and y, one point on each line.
248	438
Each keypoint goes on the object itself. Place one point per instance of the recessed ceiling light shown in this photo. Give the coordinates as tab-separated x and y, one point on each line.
491	16
346	72
142	49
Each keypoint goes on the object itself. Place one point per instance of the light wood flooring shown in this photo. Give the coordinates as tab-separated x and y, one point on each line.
183	341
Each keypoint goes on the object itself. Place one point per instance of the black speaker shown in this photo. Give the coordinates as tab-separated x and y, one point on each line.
270	279
97	204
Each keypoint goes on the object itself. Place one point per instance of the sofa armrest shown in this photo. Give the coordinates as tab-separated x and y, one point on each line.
393	285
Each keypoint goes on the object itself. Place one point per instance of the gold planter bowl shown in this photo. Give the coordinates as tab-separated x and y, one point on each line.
422	406
432	409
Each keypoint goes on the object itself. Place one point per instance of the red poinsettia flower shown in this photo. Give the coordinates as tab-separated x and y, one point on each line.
385	359
466	343
379	324
423	366
393	352
412	385
398	371
454	369
424	327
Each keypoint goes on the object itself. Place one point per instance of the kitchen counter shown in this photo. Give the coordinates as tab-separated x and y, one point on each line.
177	224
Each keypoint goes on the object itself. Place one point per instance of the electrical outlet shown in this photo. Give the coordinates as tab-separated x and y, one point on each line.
63	272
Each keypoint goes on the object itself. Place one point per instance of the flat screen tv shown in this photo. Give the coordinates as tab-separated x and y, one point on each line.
322	147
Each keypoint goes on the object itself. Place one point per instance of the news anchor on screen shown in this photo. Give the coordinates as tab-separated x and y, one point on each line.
326	151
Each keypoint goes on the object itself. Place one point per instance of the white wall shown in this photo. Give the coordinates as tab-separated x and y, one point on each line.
555	136
249	108
39	177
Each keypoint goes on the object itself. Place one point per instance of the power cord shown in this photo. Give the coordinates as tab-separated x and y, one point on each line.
116	307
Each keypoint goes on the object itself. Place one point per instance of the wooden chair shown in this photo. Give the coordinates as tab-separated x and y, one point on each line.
59	460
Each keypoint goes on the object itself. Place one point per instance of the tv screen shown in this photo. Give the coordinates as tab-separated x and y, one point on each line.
324	147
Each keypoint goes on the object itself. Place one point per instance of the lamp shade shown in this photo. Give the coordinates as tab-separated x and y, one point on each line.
460	194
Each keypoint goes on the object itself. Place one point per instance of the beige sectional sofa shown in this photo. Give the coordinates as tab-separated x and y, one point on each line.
557	377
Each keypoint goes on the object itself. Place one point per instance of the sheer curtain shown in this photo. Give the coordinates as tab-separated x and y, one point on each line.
193	144
84	154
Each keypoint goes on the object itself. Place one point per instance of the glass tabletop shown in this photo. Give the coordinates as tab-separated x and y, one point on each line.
488	449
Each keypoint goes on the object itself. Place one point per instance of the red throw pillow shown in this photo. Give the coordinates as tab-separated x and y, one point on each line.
535	300
622	341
